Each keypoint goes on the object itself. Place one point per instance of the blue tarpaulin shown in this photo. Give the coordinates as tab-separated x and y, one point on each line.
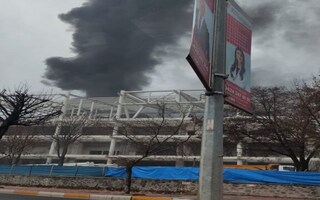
265	176
64	171
5	169
89	171
41	169
229	175
166	173
116	172
21	170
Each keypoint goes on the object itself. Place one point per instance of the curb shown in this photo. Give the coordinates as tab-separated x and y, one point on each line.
150	198
86	195
65	195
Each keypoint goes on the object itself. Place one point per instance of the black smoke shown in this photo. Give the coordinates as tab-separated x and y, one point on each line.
115	43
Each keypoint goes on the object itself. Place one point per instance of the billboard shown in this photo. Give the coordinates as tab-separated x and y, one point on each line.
238	58
200	54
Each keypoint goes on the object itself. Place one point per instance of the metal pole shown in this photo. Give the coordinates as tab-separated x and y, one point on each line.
211	163
116	127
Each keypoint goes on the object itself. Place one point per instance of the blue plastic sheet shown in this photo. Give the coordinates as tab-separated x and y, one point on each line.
166	173
89	171
21	170
278	177
5	169
116	172
64	171
41	170
229	175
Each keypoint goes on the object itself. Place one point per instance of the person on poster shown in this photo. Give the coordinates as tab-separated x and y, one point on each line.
201	29
237	69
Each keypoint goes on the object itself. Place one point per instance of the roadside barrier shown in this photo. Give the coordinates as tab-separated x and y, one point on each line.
165	173
52	170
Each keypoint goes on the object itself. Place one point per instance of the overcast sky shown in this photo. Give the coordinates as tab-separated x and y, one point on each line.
103	46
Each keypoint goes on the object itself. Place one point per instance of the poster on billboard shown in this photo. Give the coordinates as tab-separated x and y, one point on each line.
238	58
200	54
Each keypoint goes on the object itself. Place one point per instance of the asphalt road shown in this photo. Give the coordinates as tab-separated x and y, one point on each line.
23	197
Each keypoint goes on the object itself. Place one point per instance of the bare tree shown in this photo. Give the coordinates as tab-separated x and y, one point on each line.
281	124
20	108
157	134
18	141
71	131
309	96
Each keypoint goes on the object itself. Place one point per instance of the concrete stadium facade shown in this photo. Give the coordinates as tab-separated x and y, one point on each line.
102	144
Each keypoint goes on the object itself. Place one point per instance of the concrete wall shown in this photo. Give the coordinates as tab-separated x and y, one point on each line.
177	187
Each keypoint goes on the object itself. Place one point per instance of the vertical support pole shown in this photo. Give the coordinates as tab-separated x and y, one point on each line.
178	96
72	112
51	170
30	171
95	114
116	127
58	127
149	97
79	108
111	113
91	110
180	149
211	164
239	153
77	169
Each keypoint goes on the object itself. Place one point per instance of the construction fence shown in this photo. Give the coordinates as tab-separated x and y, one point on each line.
166	173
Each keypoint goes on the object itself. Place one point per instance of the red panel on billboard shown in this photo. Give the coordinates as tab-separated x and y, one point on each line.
238	34
238	97
199	63
238	57
202	35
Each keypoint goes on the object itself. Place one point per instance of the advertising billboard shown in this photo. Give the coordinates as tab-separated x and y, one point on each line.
238	58
200	54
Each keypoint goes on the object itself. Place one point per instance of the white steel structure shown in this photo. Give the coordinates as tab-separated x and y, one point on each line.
104	145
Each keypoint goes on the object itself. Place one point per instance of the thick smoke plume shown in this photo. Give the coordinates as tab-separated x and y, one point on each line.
118	42
115	42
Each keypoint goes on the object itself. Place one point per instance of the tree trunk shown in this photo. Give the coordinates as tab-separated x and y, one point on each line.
3	129
129	178
301	165
11	159
63	155
61	160
304	165
17	159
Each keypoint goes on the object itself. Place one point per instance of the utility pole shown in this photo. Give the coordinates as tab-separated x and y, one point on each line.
211	164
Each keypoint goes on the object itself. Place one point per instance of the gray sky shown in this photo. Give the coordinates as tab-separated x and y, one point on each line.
37	46
30	32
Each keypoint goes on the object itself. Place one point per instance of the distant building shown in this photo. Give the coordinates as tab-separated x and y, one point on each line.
102	143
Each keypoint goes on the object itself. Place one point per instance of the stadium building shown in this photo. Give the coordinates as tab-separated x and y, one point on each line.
103	142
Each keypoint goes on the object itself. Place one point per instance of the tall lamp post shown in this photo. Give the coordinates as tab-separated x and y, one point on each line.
211	164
